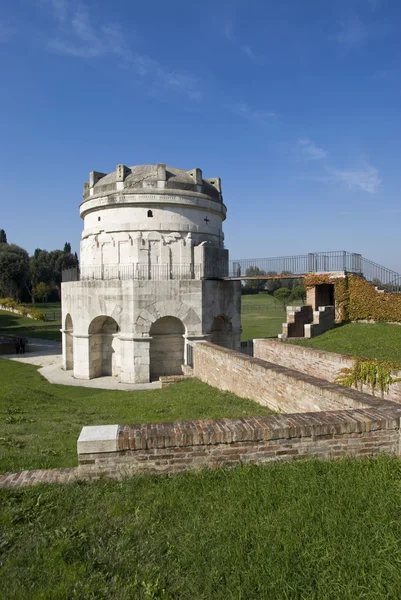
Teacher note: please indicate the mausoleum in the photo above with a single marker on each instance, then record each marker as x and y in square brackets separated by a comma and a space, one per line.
[152, 275]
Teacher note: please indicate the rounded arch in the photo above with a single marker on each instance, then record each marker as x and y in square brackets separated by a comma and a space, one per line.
[69, 342]
[222, 331]
[166, 347]
[103, 351]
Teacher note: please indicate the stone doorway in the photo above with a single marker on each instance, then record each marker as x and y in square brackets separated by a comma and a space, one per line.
[166, 347]
[102, 351]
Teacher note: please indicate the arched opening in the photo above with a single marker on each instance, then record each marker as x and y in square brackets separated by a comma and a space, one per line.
[222, 332]
[102, 347]
[69, 343]
[150, 214]
[166, 347]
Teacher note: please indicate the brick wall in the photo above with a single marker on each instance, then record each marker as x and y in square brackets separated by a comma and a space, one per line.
[318, 363]
[272, 385]
[171, 447]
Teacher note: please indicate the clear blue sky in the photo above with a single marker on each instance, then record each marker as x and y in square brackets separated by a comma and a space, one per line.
[294, 104]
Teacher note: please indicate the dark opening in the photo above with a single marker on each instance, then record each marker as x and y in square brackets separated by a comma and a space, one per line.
[150, 214]
[324, 295]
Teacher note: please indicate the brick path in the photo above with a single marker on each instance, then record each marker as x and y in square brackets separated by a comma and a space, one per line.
[30, 478]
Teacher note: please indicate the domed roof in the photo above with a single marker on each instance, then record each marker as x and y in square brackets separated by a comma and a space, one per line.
[142, 176]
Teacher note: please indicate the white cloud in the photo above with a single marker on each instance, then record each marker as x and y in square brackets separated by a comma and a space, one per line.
[311, 150]
[251, 114]
[79, 36]
[249, 52]
[59, 8]
[366, 178]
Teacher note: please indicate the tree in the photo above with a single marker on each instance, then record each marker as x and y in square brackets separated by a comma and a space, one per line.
[3, 237]
[272, 284]
[282, 295]
[299, 293]
[14, 270]
[255, 284]
[42, 291]
[67, 248]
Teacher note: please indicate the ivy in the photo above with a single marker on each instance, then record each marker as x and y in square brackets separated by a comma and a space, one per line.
[377, 374]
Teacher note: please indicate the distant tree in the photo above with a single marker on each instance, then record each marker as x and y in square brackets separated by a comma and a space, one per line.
[41, 291]
[14, 270]
[298, 293]
[255, 284]
[272, 284]
[67, 248]
[3, 237]
[282, 295]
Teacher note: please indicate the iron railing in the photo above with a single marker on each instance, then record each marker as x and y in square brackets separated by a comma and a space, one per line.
[293, 266]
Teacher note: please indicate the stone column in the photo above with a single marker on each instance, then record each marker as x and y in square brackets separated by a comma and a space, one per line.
[135, 358]
[82, 368]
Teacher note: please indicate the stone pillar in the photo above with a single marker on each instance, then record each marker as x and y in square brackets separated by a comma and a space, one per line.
[311, 297]
[82, 357]
[142, 359]
[127, 373]
[64, 348]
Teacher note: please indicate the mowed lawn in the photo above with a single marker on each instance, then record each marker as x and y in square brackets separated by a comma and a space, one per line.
[262, 316]
[40, 422]
[306, 530]
[13, 324]
[379, 340]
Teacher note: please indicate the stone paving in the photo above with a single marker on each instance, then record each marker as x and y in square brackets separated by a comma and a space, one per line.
[47, 355]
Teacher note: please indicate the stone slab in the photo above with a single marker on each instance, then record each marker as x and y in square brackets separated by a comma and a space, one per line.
[97, 438]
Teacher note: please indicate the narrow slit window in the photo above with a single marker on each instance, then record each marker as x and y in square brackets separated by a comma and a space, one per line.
[150, 214]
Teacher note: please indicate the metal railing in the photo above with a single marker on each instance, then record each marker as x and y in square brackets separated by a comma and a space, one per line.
[293, 266]
[157, 272]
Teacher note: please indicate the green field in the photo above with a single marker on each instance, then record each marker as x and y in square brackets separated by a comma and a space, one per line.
[306, 530]
[40, 422]
[262, 316]
[379, 340]
[13, 324]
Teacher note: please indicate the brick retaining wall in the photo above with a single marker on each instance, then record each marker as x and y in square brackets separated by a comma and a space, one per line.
[171, 447]
[272, 385]
[318, 363]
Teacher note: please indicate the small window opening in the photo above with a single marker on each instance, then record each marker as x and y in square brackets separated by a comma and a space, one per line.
[98, 218]
[150, 214]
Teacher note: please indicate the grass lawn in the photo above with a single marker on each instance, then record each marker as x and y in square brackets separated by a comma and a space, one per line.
[40, 422]
[378, 340]
[13, 324]
[262, 316]
[306, 530]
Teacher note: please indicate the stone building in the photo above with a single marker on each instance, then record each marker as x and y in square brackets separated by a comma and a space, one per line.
[151, 276]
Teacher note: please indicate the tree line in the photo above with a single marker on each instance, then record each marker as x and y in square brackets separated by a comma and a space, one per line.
[37, 277]
[283, 290]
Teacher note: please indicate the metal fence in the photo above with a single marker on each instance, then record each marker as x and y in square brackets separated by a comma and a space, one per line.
[294, 266]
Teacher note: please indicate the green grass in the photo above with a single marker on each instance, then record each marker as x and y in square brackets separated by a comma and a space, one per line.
[308, 531]
[380, 340]
[13, 324]
[262, 316]
[40, 422]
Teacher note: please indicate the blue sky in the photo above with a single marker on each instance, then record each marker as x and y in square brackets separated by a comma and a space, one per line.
[294, 104]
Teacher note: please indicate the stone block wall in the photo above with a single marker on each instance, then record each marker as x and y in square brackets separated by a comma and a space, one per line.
[323, 320]
[278, 387]
[317, 363]
[120, 451]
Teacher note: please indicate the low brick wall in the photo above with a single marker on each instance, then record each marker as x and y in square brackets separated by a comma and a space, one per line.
[120, 451]
[318, 363]
[280, 388]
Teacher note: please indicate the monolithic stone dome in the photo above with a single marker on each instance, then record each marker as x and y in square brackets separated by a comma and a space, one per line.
[143, 177]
